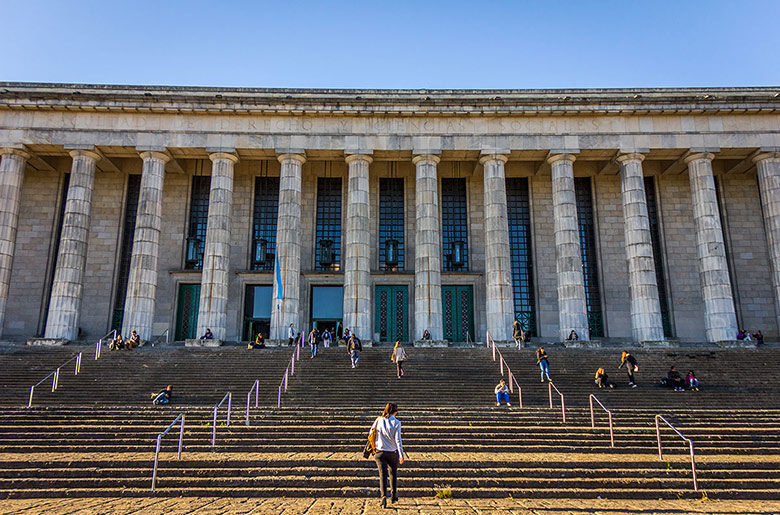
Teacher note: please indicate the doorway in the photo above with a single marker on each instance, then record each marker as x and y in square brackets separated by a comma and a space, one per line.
[458, 313]
[392, 313]
[187, 311]
[257, 311]
[327, 305]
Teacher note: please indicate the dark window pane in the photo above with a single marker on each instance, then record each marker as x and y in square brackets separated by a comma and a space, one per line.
[655, 238]
[454, 223]
[584, 195]
[264, 221]
[258, 304]
[327, 302]
[128, 233]
[199, 215]
[519, 216]
[391, 220]
[328, 222]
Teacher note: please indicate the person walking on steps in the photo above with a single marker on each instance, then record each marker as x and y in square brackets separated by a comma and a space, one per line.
[631, 365]
[353, 348]
[399, 356]
[326, 338]
[517, 334]
[389, 451]
[314, 342]
[502, 393]
[544, 364]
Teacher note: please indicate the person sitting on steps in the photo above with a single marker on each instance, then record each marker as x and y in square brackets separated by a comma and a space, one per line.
[208, 335]
[502, 392]
[117, 343]
[426, 335]
[693, 383]
[259, 342]
[573, 336]
[759, 337]
[602, 379]
[631, 365]
[133, 342]
[163, 396]
[544, 364]
[674, 379]
[399, 356]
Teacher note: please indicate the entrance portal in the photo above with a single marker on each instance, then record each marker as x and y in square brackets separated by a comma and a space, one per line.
[392, 312]
[458, 313]
[187, 311]
[327, 307]
[257, 312]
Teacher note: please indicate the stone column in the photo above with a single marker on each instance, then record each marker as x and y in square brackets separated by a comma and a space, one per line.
[499, 299]
[288, 248]
[572, 307]
[142, 281]
[62, 321]
[646, 322]
[212, 311]
[357, 254]
[720, 320]
[11, 177]
[768, 165]
[427, 250]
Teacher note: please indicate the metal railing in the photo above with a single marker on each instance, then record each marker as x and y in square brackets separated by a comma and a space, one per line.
[99, 343]
[593, 418]
[55, 375]
[512, 379]
[256, 388]
[157, 447]
[290, 370]
[229, 397]
[688, 440]
[165, 334]
[550, 387]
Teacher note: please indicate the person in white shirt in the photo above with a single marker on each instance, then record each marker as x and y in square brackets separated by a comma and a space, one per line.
[290, 335]
[389, 451]
[398, 357]
[502, 392]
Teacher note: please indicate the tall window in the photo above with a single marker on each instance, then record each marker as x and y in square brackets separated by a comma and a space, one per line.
[128, 233]
[328, 243]
[655, 238]
[519, 211]
[391, 224]
[454, 225]
[264, 223]
[199, 216]
[584, 195]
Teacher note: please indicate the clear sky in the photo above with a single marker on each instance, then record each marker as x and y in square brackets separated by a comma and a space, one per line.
[393, 44]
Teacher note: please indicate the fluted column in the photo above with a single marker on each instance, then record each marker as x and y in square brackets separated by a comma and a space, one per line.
[572, 307]
[720, 321]
[11, 177]
[499, 301]
[768, 165]
[288, 248]
[646, 321]
[212, 311]
[67, 289]
[427, 250]
[357, 264]
[142, 281]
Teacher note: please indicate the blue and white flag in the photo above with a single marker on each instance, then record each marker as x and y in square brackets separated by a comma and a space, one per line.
[279, 285]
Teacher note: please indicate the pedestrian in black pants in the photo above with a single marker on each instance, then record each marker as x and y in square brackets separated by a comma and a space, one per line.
[629, 361]
[389, 451]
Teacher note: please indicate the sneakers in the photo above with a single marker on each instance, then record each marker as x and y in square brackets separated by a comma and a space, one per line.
[542, 379]
[383, 502]
[508, 405]
[394, 500]
[498, 404]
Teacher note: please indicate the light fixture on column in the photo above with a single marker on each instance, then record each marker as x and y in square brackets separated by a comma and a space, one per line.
[260, 254]
[326, 253]
[458, 253]
[391, 253]
[193, 252]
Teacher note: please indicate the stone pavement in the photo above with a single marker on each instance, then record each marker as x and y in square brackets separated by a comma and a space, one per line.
[421, 506]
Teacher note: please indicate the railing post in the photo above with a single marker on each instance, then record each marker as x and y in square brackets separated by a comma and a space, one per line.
[257, 392]
[658, 436]
[549, 391]
[285, 381]
[563, 408]
[32, 389]
[248, 396]
[97, 348]
[693, 467]
[292, 366]
[214, 429]
[501, 363]
[611, 435]
[154, 470]
[494, 350]
[54, 380]
[509, 374]
[78, 364]
[298, 351]
[592, 418]
[230, 402]
[279, 397]
[181, 437]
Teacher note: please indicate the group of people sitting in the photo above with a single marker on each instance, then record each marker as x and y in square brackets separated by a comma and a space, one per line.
[675, 380]
[747, 336]
[119, 343]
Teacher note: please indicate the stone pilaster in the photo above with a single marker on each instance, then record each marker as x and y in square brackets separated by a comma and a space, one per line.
[720, 321]
[646, 321]
[357, 253]
[768, 165]
[499, 300]
[62, 321]
[288, 248]
[142, 281]
[212, 311]
[427, 241]
[11, 177]
[572, 307]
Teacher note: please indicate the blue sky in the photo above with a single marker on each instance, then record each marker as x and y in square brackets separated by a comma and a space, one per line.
[394, 44]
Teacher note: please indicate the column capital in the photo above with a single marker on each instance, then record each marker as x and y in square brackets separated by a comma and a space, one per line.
[223, 155]
[493, 157]
[630, 156]
[21, 152]
[766, 155]
[426, 157]
[300, 158]
[561, 157]
[351, 158]
[152, 154]
[82, 152]
[700, 156]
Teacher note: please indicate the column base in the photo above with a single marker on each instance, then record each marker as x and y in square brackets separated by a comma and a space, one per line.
[431, 343]
[659, 344]
[47, 342]
[737, 344]
[582, 344]
[203, 343]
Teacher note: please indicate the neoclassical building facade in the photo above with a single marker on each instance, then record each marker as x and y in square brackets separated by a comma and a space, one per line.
[624, 215]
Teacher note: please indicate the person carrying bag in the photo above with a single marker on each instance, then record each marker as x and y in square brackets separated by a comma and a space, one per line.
[388, 450]
[399, 356]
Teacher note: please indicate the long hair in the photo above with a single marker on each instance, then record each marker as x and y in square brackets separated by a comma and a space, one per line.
[390, 409]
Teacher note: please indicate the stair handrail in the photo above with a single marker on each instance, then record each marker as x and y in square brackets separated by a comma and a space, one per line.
[290, 370]
[256, 388]
[55, 375]
[229, 397]
[592, 398]
[157, 447]
[688, 440]
[512, 378]
[166, 334]
[550, 387]
[99, 343]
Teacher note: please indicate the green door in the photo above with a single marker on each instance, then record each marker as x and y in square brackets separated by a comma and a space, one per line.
[392, 311]
[187, 312]
[458, 313]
